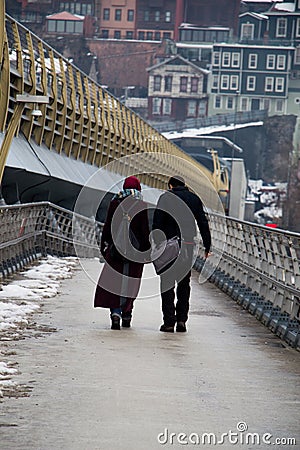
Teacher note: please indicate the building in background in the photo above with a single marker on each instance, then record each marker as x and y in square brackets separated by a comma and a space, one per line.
[248, 78]
[156, 19]
[262, 70]
[33, 13]
[116, 19]
[177, 90]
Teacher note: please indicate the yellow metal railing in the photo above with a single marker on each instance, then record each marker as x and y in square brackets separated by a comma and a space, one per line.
[82, 120]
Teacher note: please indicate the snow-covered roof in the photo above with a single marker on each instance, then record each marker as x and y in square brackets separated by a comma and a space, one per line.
[288, 7]
[196, 132]
[281, 47]
[193, 45]
[255, 15]
[200, 27]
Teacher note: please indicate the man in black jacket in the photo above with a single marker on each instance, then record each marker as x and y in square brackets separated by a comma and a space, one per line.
[175, 215]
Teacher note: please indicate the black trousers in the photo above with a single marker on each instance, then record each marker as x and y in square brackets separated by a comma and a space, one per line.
[177, 311]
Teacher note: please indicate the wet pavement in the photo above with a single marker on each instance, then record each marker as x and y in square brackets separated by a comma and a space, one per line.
[227, 383]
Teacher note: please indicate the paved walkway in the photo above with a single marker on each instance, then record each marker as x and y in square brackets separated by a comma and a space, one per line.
[98, 389]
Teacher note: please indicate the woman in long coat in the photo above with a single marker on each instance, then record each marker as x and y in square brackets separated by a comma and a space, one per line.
[120, 279]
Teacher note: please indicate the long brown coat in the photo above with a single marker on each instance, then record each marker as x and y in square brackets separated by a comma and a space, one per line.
[109, 286]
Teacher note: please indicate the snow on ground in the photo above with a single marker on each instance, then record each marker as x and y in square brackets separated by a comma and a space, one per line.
[20, 298]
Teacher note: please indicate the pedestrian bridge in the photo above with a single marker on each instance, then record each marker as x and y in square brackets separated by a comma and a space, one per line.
[84, 133]
[255, 265]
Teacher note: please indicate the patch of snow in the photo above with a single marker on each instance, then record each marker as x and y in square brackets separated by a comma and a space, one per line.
[20, 298]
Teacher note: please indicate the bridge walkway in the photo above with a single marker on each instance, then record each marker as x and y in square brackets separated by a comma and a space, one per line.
[98, 389]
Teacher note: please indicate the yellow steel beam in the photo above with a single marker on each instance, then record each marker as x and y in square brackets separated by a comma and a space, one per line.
[38, 134]
[8, 136]
[2, 27]
[4, 85]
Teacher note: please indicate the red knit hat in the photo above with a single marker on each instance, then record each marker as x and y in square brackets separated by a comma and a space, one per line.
[132, 183]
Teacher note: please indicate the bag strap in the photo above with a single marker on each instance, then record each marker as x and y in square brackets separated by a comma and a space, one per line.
[126, 213]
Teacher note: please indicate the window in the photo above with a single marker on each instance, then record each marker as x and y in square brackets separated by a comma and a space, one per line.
[269, 84]
[156, 105]
[147, 15]
[229, 102]
[60, 25]
[78, 27]
[157, 16]
[298, 27]
[105, 34]
[225, 82]
[216, 59]
[244, 104]
[117, 34]
[270, 61]
[168, 16]
[183, 84]
[297, 55]
[234, 82]
[106, 14]
[129, 34]
[281, 27]
[51, 25]
[265, 104]
[86, 10]
[118, 14]
[247, 31]
[157, 83]
[192, 108]
[149, 35]
[157, 35]
[130, 15]
[194, 84]
[279, 106]
[167, 106]
[235, 60]
[70, 26]
[202, 108]
[252, 61]
[167, 35]
[141, 35]
[218, 102]
[279, 84]
[281, 62]
[168, 83]
[226, 59]
[215, 82]
[251, 81]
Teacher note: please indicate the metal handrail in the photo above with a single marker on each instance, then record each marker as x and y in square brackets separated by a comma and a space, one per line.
[263, 260]
[31, 230]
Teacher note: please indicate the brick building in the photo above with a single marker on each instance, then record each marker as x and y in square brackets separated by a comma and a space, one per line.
[116, 19]
[156, 19]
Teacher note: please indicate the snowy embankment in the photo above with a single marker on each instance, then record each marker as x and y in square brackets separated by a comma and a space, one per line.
[21, 298]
